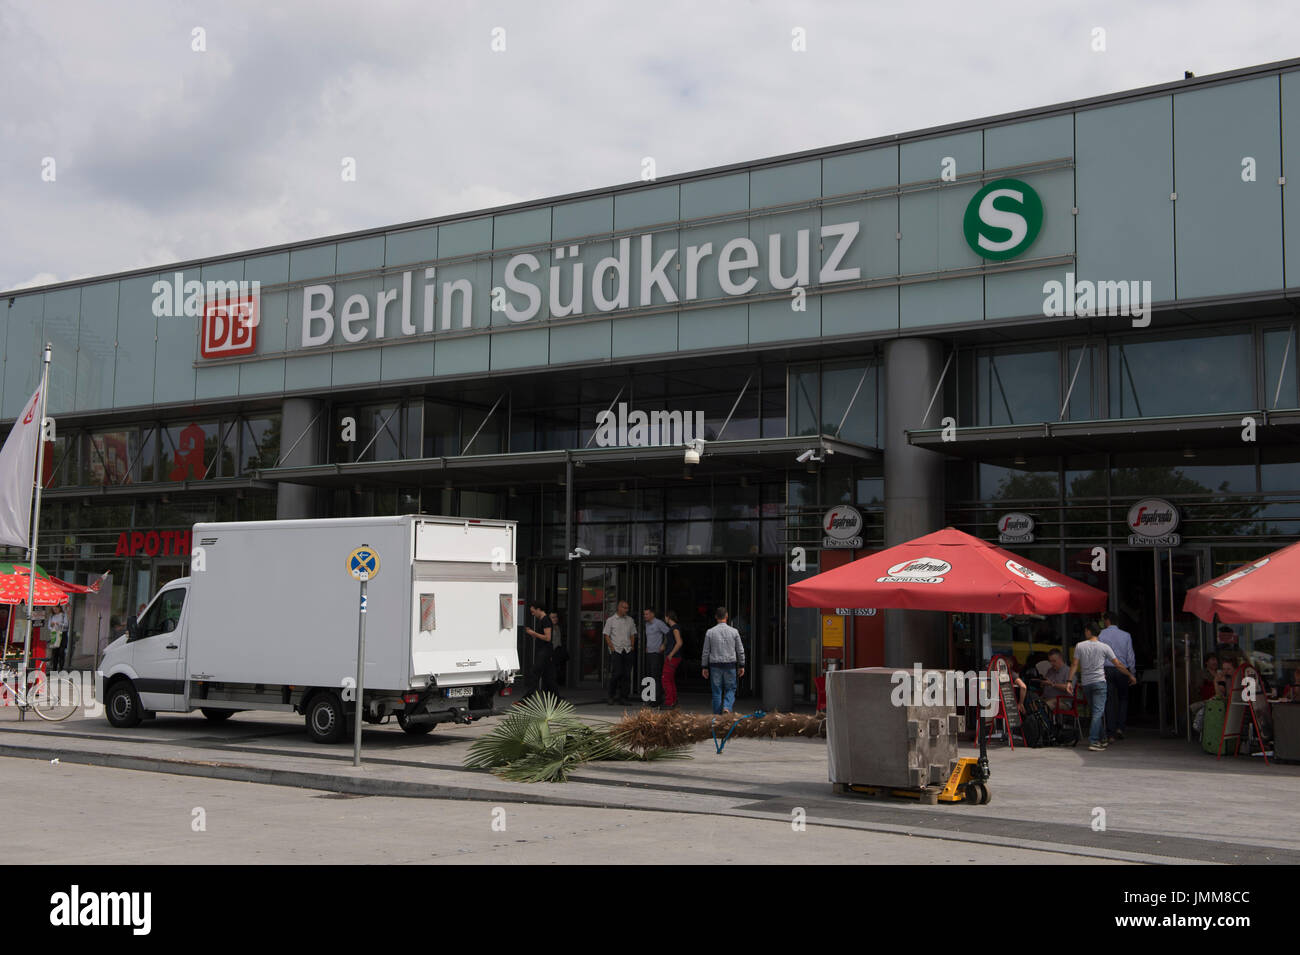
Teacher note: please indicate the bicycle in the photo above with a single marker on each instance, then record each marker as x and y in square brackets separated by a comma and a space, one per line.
[51, 699]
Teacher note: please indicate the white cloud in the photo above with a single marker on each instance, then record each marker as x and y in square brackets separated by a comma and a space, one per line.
[166, 154]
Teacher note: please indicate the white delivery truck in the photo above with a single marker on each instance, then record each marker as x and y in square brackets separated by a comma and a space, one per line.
[267, 620]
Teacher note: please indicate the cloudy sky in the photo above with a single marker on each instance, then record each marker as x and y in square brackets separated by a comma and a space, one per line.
[163, 152]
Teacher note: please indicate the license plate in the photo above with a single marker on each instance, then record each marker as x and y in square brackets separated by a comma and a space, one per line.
[454, 691]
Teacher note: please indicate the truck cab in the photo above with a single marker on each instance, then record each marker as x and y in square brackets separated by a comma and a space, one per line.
[143, 670]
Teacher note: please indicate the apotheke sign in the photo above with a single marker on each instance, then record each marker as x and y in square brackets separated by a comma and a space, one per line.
[1152, 522]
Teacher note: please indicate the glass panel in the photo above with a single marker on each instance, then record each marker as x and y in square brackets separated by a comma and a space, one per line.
[1018, 386]
[148, 459]
[773, 407]
[107, 457]
[188, 450]
[804, 402]
[441, 430]
[1279, 470]
[384, 421]
[261, 444]
[1279, 368]
[1206, 473]
[489, 439]
[1177, 376]
[1085, 399]
[840, 385]
[1035, 480]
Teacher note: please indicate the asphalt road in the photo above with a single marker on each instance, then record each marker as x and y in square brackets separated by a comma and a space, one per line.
[93, 815]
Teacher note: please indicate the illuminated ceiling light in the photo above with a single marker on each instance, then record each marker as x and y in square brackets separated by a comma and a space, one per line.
[1189, 453]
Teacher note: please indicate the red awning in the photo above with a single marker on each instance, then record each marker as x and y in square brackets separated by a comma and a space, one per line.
[69, 588]
[1262, 592]
[948, 570]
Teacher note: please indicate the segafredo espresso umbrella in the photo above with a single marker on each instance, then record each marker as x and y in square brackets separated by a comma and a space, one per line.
[947, 570]
[1265, 591]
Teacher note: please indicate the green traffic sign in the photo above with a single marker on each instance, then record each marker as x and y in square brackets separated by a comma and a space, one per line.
[1003, 219]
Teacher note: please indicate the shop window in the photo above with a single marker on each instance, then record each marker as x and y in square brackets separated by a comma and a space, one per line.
[1206, 374]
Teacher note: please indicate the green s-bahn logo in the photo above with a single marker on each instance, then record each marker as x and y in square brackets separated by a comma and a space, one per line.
[1003, 219]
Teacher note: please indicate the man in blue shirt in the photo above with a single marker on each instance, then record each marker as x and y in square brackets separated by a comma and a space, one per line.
[1121, 643]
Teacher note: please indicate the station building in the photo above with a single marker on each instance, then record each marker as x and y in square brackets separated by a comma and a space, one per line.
[1071, 328]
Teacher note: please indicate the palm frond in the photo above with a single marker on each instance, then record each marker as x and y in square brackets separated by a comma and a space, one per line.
[543, 740]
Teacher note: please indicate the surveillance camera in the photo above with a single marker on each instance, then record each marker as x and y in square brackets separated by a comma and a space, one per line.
[693, 451]
[805, 456]
[581, 552]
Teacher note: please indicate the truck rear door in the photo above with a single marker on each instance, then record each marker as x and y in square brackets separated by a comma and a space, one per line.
[463, 631]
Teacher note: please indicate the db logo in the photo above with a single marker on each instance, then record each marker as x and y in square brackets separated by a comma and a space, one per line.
[229, 327]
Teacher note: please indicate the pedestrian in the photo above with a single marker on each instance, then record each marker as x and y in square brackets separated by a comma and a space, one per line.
[1120, 641]
[620, 639]
[722, 661]
[656, 631]
[559, 652]
[58, 639]
[1090, 656]
[545, 639]
[672, 659]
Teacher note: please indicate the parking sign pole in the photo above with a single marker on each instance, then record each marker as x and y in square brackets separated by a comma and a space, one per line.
[361, 667]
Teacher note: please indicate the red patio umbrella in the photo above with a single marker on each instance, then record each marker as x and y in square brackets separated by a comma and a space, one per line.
[948, 570]
[1263, 592]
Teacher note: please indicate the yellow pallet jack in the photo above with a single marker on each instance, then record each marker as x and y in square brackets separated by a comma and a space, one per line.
[967, 780]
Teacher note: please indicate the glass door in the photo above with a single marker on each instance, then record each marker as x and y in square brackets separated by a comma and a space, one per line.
[602, 587]
[1183, 636]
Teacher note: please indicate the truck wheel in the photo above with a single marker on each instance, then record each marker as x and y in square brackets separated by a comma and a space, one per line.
[122, 705]
[326, 720]
[415, 729]
[216, 716]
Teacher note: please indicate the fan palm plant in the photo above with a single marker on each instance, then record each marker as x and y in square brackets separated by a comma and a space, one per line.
[543, 740]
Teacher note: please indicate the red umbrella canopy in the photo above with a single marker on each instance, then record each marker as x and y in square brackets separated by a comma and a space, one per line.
[948, 570]
[13, 590]
[1262, 592]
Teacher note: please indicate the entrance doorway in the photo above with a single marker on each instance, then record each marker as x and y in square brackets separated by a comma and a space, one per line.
[1150, 586]
[694, 589]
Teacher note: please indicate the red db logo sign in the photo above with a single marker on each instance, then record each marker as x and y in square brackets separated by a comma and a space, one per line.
[229, 327]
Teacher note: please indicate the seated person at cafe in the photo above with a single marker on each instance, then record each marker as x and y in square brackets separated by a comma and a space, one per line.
[1209, 675]
[1054, 679]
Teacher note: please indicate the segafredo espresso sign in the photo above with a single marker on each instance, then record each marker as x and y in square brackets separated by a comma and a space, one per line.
[637, 275]
[1152, 523]
[918, 570]
[842, 527]
[1015, 529]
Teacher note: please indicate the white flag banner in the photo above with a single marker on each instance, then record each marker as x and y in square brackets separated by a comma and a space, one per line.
[18, 476]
